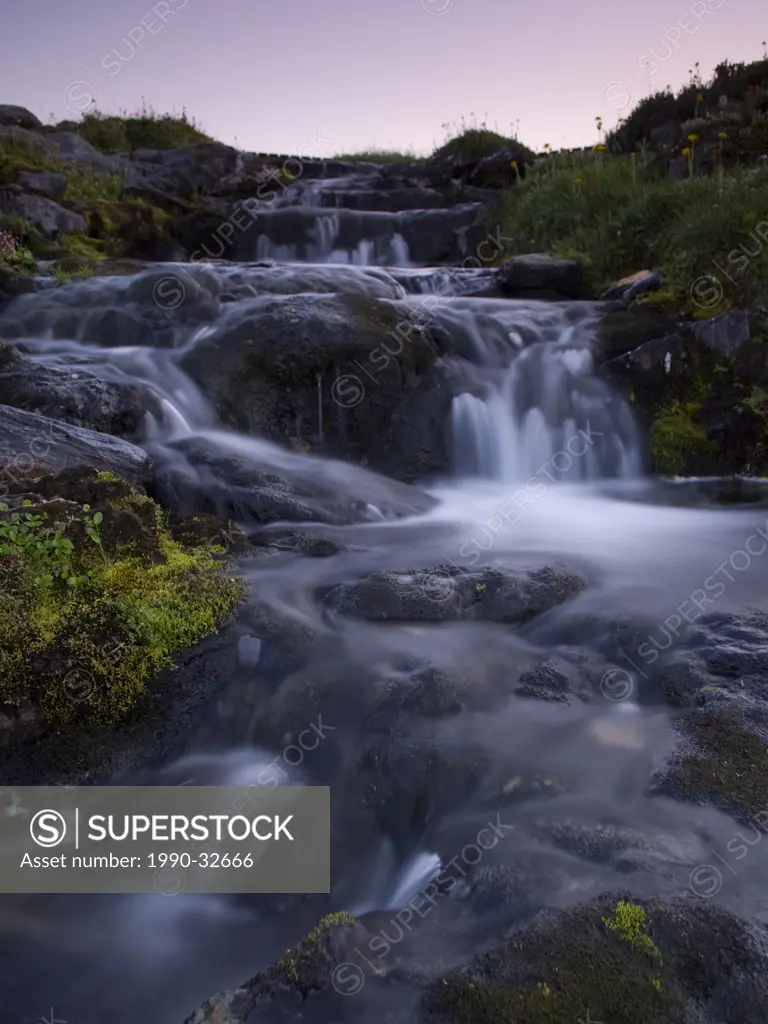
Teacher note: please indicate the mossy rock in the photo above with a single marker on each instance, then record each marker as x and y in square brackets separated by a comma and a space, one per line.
[676, 440]
[97, 597]
[613, 960]
[726, 764]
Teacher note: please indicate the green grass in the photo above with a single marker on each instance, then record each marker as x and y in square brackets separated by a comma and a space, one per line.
[380, 156]
[84, 183]
[144, 129]
[624, 217]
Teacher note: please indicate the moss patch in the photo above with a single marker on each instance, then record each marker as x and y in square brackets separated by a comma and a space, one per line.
[728, 766]
[86, 650]
[675, 437]
[574, 966]
[301, 965]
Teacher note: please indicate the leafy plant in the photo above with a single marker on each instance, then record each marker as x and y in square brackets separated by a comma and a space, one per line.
[43, 545]
[629, 923]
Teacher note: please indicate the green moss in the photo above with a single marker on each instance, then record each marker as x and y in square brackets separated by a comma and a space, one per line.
[629, 923]
[664, 299]
[674, 437]
[82, 247]
[576, 969]
[728, 765]
[304, 964]
[89, 650]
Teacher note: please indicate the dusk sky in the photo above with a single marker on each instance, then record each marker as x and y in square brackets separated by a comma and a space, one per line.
[317, 78]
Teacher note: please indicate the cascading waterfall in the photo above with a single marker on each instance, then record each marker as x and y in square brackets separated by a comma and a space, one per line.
[546, 413]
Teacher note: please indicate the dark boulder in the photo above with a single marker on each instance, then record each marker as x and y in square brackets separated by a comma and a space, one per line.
[44, 183]
[539, 275]
[19, 117]
[75, 396]
[32, 446]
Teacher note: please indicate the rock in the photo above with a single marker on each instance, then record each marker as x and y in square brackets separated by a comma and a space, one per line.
[649, 962]
[725, 334]
[347, 375]
[630, 288]
[32, 446]
[44, 183]
[19, 117]
[72, 146]
[539, 275]
[50, 219]
[450, 593]
[75, 396]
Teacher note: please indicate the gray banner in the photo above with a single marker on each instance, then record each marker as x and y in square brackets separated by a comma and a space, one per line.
[170, 840]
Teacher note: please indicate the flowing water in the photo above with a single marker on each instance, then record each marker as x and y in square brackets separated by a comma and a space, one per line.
[547, 469]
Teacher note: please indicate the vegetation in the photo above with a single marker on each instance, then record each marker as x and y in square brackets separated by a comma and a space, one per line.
[96, 598]
[473, 140]
[144, 129]
[380, 156]
[675, 437]
[629, 924]
[624, 217]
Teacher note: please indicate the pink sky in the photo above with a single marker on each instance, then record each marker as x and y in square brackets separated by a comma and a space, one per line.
[318, 78]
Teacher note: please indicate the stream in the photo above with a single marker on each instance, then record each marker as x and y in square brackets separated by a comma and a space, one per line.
[546, 470]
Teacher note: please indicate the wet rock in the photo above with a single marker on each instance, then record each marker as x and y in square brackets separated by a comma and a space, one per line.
[50, 219]
[629, 963]
[43, 183]
[540, 275]
[434, 595]
[347, 375]
[19, 117]
[720, 674]
[75, 396]
[32, 446]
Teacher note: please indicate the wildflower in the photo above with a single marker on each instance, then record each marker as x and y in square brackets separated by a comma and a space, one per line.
[686, 151]
[577, 181]
[699, 96]
[693, 138]
[600, 149]
[546, 145]
[7, 244]
[722, 135]
[513, 163]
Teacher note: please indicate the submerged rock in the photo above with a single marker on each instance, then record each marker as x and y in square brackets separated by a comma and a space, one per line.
[448, 592]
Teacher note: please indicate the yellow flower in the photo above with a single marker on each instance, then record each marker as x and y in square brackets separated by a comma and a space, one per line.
[722, 135]
[577, 181]
[600, 149]
[693, 138]
[700, 96]
[686, 151]
[513, 163]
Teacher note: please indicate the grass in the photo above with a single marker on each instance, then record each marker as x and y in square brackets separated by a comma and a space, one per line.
[84, 183]
[623, 216]
[144, 129]
[380, 156]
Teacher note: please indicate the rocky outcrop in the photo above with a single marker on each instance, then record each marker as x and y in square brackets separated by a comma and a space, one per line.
[19, 117]
[77, 397]
[34, 445]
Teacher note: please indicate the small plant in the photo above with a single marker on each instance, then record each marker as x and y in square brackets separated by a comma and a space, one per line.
[629, 923]
[13, 254]
[42, 545]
